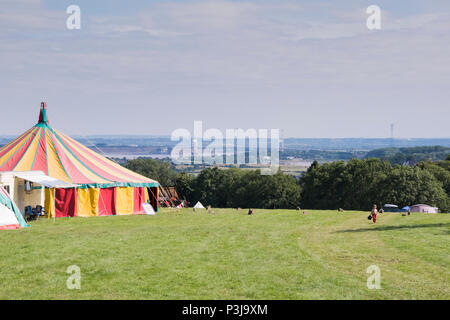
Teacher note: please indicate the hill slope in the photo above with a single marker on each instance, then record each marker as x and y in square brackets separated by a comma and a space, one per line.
[277, 254]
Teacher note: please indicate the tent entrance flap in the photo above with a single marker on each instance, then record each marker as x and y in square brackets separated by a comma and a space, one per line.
[65, 202]
[107, 202]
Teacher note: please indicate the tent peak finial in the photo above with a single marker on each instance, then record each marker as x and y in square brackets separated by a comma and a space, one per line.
[43, 119]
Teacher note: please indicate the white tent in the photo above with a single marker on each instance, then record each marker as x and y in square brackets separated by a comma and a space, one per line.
[10, 215]
[199, 206]
[8, 219]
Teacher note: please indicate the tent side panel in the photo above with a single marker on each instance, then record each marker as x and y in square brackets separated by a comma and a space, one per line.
[124, 200]
[49, 203]
[88, 200]
[107, 202]
[65, 202]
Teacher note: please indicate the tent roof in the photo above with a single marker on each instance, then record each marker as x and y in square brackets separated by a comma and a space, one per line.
[199, 205]
[40, 178]
[45, 149]
[422, 205]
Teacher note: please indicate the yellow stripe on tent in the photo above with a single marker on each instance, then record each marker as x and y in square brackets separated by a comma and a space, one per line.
[124, 200]
[27, 160]
[87, 204]
[49, 204]
[54, 165]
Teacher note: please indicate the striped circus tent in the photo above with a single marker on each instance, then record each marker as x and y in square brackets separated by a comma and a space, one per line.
[103, 187]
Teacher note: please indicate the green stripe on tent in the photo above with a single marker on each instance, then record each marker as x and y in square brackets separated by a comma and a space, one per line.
[118, 184]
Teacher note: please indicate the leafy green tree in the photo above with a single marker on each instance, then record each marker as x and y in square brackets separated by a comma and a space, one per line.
[439, 172]
[410, 185]
[280, 191]
[184, 185]
[355, 184]
[159, 170]
[211, 187]
[323, 186]
[363, 181]
[358, 184]
[246, 189]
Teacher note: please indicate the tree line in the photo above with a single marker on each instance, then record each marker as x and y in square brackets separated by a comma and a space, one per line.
[352, 185]
[357, 184]
[412, 155]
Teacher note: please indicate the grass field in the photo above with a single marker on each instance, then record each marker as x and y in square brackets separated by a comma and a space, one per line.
[275, 254]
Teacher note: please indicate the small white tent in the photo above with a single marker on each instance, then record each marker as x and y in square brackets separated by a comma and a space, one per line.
[10, 215]
[199, 206]
[8, 219]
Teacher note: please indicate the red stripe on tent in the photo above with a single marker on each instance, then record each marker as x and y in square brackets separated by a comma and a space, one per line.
[107, 202]
[12, 162]
[10, 227]
[40, 162]
[139, 199]
[65, 202]
[14, 143]
[74, 174]
[101, 160]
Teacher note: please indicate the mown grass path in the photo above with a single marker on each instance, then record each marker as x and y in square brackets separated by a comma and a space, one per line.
[275, 254]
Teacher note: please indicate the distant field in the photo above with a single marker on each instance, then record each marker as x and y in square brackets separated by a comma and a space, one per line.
[275, 254]
[293, 170]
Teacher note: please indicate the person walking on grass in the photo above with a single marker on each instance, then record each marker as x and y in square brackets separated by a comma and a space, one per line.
[374, 213]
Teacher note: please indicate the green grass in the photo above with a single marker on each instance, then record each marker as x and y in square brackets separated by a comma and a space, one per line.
[275, 254]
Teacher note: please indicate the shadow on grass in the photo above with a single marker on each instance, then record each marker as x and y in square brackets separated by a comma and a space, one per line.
[388, 228]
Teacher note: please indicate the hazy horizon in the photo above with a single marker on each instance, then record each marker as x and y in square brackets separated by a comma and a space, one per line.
[312, 69]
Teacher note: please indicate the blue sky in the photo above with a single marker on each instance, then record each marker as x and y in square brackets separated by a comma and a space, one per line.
[311, 68]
